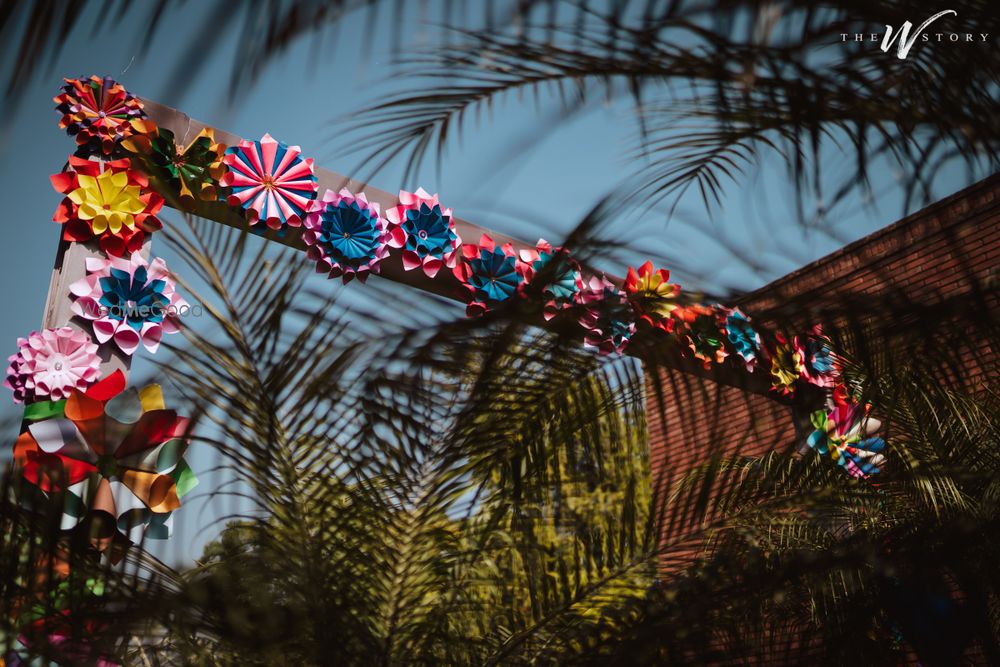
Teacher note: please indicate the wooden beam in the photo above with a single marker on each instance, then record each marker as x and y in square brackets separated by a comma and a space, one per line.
[185, 129]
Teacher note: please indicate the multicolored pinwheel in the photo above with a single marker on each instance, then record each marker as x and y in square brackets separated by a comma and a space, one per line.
[491, 274]
[786, 365]
[270, 181]
[607, 317]
[845, 432]
[193, 172]
[552, 273]
[100, 112]
[118, 457]
[652, 296]
[129, 301]
[424, 231]
[818, 367]
[51, 363]
[743, 338]
[702, 330]
[346, 235]
[112, 202]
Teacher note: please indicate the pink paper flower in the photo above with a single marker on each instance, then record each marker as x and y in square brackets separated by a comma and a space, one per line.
[607, 318]
[50, 364]
[424, 231]
[129, 301]
[346, 235]
[270, 181]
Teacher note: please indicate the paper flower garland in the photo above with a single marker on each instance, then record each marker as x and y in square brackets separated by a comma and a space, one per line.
[99, 111]
[561, 273]
[193, 171]
[112, 203]
[346, 235]
[845, 433]
[115, 453]
[270, 181]
[652, 296]
[424, 231]
[50, 364]
[743, 338]
[786, 365]
[606, 318]
[129, 301]
[702, 331]
[490, 273]
[817, 359]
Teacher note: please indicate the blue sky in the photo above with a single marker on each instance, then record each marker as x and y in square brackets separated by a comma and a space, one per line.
[543, 192]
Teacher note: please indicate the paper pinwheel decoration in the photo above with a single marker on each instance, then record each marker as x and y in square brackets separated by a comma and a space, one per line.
[99, 111]
[118, 456]
[193, 172]
[786, 365]
[270, 181]
[129, 301]
[607, 317]
[51, 363]
[112, 203]
[424, 231]
[845, 433]
[817, 358]
[701, 328]
[490, 273]
[554, 273]
[346, 235]
[742, 337]
[652, 296]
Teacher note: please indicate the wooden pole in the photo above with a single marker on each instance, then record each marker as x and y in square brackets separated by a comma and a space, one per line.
[185, 129]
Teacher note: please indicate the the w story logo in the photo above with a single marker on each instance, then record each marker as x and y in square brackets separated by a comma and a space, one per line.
[904, 41]
[905, 37]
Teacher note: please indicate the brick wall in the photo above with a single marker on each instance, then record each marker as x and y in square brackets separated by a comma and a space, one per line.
[947, 250]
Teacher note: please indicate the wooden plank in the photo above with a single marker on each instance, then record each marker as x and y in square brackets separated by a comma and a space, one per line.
[647, 348]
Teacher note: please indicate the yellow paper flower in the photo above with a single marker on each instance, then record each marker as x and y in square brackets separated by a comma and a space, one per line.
[786, 366]
[108, 201]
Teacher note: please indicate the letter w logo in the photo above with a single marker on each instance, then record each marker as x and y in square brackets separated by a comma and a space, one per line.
[903, 35]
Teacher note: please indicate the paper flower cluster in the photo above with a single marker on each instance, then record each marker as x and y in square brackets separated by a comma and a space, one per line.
[652, 296]
[108, 201]
[116, 454]
[490, 273]
[553, 274]
[346, 235]
[191, 172]
[270, 181]
[424, 231]
[846, 433]
[607, 319]
[50, 364]
[99, 112]
[129, 301]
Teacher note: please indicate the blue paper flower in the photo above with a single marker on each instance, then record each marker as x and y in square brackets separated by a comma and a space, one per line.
[133, 298]
[742, 337]
[490, 273]
[424, 231]
[346, 235]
